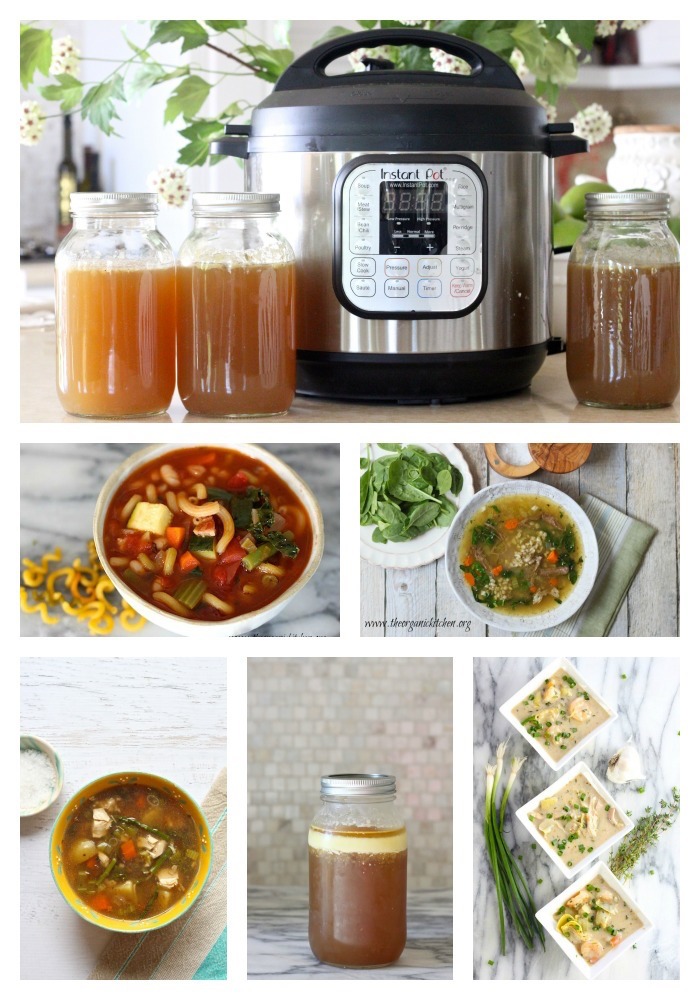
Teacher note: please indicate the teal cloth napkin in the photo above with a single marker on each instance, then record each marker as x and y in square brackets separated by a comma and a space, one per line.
[622, 544]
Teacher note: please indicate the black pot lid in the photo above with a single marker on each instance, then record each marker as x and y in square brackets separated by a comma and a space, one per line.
[399, 111]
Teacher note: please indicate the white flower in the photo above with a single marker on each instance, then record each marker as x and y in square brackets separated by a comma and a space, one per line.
[31, 123]
[411, 24]
[171, 185]
[445, 63]
[549, 108]
[64, 56]
[631, 25]
[517, 61]
[593, 123]
[604, 29]
[356, 57]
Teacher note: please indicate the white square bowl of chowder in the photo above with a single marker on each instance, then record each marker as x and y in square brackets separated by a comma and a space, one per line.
[558, 712]
[594, 921]
[574, 820]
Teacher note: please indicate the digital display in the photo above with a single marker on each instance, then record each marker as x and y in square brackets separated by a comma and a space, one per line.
[421, 199]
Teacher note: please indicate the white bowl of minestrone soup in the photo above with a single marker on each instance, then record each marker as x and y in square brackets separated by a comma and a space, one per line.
[130, 852]
[522, 557]
[205, 539]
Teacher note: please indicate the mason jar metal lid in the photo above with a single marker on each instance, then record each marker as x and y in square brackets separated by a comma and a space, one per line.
[106, 203]
[235, 203]
[348, 785]
[632, 203]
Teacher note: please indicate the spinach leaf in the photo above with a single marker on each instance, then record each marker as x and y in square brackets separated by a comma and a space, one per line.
[484, 534]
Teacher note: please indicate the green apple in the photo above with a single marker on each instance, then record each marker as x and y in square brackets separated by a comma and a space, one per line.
[566, 232]
[574, 201]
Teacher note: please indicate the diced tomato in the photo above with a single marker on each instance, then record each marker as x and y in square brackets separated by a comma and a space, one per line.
[132, 544]
[238, 481]
[207, 459]
[234, 553]
[166, 582]
[223, 576]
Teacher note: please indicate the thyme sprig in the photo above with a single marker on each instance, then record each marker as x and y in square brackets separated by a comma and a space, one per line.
[645, 834]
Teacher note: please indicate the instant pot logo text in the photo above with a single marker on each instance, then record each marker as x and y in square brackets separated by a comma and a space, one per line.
[423, 174]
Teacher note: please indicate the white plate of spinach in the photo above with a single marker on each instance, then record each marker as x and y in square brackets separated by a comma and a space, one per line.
[409, 495]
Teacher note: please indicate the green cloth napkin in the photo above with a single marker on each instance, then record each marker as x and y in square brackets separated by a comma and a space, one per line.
[193, 947]
[622, 544]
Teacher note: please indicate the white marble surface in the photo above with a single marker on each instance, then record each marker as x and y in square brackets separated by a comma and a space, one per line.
[278, 944]
[648, 703]
[102, 715]
[59, 487]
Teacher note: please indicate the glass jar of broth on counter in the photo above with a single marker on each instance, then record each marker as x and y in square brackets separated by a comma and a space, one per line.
[357, 873]
[623, 304]
[235, 294]
[115, 309]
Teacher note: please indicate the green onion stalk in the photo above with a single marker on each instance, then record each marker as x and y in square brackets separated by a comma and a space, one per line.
[512, 890]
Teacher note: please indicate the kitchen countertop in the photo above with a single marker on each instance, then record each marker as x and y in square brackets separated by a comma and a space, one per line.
[59, 487]
[648, 703]
[278, 946]
[102, 715]
[549, 400]
[638, 479]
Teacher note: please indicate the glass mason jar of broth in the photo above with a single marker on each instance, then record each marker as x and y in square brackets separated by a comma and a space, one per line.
[235, 325]
[357, 872]
[115, 309]
[623, 304]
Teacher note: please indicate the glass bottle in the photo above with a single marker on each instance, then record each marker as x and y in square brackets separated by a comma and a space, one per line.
[235, 279]
[357, 872]
[115, 309]
[67, 179]
[623, 304]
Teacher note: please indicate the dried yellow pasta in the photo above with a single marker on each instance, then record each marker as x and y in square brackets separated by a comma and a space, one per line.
[79, 590]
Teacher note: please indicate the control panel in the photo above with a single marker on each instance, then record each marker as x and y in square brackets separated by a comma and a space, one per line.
[410, 236]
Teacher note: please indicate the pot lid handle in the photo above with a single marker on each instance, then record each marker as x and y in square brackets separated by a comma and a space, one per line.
[308, 71]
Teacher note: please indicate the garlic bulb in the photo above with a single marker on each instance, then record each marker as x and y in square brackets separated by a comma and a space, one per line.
[625, 765]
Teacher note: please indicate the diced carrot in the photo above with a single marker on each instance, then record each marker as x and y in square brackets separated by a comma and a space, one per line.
[101, 902]
[511, 524]
[497, 570]
[552, 557]
[533, 589]
[93, 864]
[552, 582]
[128, 850]
[207, 459]
[175, 536]
[470, 579]
[469, 560]
[187, 562]
[141, 800]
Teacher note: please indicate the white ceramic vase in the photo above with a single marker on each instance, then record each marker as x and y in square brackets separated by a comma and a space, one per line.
[647, 156]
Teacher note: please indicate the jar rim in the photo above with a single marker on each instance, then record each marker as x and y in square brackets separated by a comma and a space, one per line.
[628, 204]
[234, 204]
[113, 203]
[357, 784]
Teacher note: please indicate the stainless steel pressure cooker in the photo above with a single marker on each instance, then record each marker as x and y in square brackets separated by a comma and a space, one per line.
[419, 208]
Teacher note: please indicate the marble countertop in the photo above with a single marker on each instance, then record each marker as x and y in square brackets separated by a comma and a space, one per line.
[158, 714]
[648, 703]
[278, 946]
[59, 487]
[548, 400]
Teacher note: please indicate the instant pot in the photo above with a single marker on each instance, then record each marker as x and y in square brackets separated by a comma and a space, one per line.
[419, 208]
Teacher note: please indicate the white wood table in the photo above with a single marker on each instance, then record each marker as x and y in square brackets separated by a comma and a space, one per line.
[639, 479]
[101, 715]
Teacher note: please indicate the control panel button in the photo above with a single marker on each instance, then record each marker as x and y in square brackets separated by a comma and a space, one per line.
[362, 227]
[363, 287]
[395, 288]
[461, 288]
[396, 268]
[430, 267]
[464, 207]
[362, 186]
[362, 247]
[362, 206]
[363, 267]
[463, 246]
[462, 267]
[429, 288]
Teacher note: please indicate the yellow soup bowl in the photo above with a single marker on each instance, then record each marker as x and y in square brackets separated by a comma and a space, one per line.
[107, 783]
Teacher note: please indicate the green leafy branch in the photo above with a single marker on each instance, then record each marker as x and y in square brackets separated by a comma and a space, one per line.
[551, 50]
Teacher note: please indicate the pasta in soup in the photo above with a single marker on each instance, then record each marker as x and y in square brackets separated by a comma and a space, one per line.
[521, 555]
[131, 851]
[207, 534]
